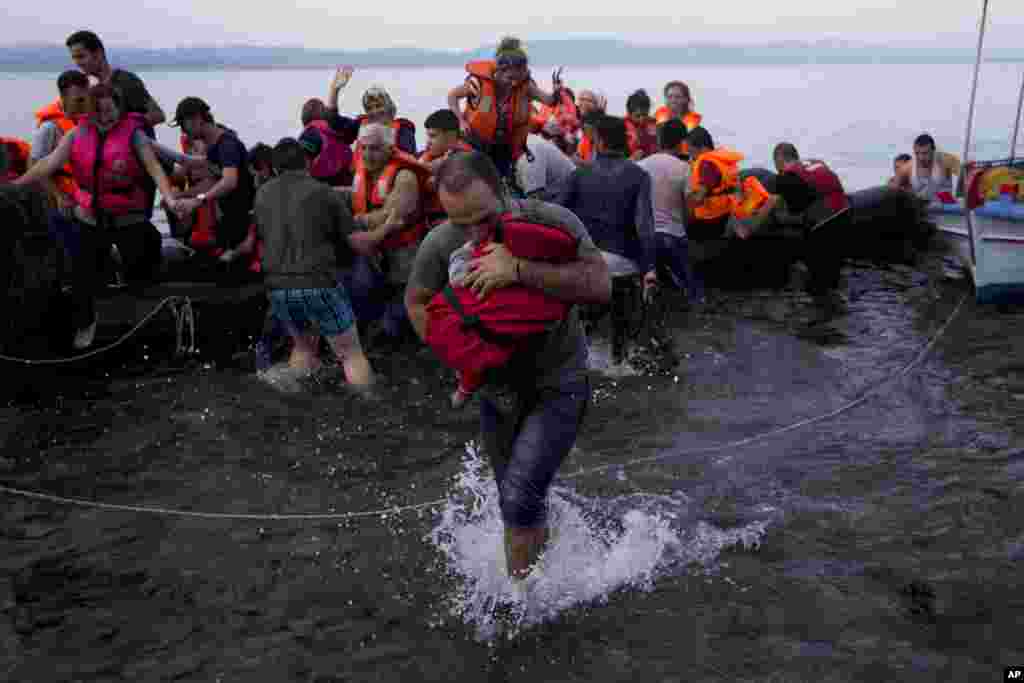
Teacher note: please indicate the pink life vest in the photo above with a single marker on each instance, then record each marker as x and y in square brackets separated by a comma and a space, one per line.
[108, 165]
[335, 156]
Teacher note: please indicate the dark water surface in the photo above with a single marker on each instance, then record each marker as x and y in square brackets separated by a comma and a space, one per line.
[882, 544]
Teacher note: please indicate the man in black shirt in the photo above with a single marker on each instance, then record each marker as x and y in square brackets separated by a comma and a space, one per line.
[235, 190]
[89, 55]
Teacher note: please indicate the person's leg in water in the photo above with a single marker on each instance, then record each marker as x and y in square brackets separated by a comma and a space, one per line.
[673, 259]
[349, 352]
[526, 450]
[625, 297]
[273, 330]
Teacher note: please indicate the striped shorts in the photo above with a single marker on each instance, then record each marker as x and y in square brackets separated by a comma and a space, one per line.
[322, 311]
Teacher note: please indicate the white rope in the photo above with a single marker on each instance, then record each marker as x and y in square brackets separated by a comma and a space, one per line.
[400, 509]
[170, 302]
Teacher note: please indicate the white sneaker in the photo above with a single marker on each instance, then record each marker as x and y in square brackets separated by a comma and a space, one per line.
[85, 336]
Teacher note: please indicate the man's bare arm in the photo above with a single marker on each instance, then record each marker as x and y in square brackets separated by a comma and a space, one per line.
[403, 202]
[154, 114]
[586, 281]
[416, 300]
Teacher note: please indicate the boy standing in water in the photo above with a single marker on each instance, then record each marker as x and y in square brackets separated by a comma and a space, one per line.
[547, 387]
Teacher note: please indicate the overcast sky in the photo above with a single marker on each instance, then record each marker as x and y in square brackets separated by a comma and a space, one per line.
[461, 24]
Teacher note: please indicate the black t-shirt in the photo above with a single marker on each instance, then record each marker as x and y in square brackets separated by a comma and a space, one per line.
[134, 96]
[795, 191]
[230, 152]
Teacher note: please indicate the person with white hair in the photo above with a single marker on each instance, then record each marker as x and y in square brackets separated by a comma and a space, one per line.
[379, 107]
[591, 104]
[388, 182]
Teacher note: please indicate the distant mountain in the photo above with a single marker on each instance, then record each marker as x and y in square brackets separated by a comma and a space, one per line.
[574, 52]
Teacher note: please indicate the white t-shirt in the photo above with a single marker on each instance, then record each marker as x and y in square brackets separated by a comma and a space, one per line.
[669, 178]
[548, 170]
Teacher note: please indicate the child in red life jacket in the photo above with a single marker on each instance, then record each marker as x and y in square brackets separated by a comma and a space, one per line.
[474, 336]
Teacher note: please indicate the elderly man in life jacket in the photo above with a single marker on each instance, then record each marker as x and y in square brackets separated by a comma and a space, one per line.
[929, 175]
[590, 104]
[811, 194]
[388, 182]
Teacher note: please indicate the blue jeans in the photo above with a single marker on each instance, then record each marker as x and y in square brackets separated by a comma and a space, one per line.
[374, 297]
[527, 445]
[673, 259]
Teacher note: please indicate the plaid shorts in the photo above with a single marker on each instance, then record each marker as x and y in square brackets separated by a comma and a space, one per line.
[322, 311]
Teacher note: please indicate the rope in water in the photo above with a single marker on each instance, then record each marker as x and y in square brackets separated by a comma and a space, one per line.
[400, 509]
[183, 317]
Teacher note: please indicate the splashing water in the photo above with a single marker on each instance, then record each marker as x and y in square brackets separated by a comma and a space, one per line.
[599, 358]
[597, 547]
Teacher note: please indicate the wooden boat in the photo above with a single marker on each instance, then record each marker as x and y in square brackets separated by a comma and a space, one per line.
[987, 239]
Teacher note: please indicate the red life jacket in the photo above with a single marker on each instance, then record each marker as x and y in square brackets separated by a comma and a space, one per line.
[565, 113]
[474, 336]
[818, 175]
[108, 166]
[18, 154]
[204, 237]
[643, 138]
[366, 198]
[335, 156]
[432, 209]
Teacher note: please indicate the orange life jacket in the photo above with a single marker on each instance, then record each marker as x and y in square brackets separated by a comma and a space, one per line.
[18, 154]
[366, 198]
[432, 209]
[564, 112]
[54, 112]
[691, 120]
[482, 111]
[720, 200]
[585, 150]
[753, 197]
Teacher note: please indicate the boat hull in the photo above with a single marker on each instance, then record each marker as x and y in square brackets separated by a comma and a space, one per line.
[998, 272]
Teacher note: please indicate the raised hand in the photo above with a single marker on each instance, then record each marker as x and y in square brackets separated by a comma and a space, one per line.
[342, 76]
[556, 79]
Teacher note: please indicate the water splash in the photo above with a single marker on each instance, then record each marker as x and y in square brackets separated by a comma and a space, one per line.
[599, 354]
[598, 547]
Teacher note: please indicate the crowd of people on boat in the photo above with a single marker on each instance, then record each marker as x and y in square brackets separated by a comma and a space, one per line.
[527, 207]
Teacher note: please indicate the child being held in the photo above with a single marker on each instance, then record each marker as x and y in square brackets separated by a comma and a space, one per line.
[473, 335]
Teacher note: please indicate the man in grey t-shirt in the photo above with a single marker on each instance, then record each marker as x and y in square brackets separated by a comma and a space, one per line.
[542, 175]
[527, 438]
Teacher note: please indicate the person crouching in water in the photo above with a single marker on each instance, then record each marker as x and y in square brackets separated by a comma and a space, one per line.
[112, 161]
[302, 222]
[498, 93]
[528, 436]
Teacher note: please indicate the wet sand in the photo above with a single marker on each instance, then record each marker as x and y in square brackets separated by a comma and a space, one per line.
[892, 533]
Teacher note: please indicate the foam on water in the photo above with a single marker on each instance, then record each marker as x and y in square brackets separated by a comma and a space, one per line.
[598, 547]
[599, 358]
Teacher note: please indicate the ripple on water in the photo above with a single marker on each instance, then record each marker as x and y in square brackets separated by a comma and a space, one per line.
[598, 547]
